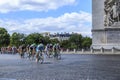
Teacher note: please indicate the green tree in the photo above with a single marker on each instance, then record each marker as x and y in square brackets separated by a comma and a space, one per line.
[54, 41]
[17, 39]
[73, 46]
[46, 40]
[65, 44]
[76, 41]
[4, 37]
[87, 41]
[34, 38]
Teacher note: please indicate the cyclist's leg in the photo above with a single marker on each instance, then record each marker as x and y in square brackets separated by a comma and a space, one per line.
[41, 58]
[37, 56]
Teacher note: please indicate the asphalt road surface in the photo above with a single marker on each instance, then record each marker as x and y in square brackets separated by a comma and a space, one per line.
[70, 67]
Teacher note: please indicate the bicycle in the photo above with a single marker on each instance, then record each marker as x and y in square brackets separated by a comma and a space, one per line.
[39, 57]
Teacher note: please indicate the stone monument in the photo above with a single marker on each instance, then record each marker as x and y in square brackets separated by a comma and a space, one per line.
[106, 24]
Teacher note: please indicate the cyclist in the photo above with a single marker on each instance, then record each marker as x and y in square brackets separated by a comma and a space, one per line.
[56, 49]
[39, 51]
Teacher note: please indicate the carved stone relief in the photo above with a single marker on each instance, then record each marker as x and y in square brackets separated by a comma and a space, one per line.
[112, 12]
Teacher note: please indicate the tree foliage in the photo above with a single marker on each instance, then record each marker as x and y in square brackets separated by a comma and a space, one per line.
[46, 40]
[76, 41]
[4, 37]
[87, 41]
[17, 39]
[53, 41]
[34, 38]
[65, 44]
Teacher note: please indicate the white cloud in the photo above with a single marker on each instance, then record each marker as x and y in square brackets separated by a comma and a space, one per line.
[69, 22]
[33, 5]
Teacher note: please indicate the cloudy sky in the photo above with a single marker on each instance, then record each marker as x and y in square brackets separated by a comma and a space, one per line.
[28, 16]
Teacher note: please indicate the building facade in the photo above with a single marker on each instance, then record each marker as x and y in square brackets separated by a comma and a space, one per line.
[60, 36]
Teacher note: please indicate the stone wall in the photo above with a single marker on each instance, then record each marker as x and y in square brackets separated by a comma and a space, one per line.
[98, 14]
[103, 36]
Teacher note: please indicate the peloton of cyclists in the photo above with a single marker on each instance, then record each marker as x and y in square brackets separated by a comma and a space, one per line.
[38, 51]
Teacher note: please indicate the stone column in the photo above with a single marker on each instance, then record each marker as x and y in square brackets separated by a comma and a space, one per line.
[92, 50]
[102, 50]
[74, 50]
[82, 50]
[67, 50]
[113, 50]
[61, 51]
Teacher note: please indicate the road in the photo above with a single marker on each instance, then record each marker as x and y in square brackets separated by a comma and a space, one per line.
[70, 67]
